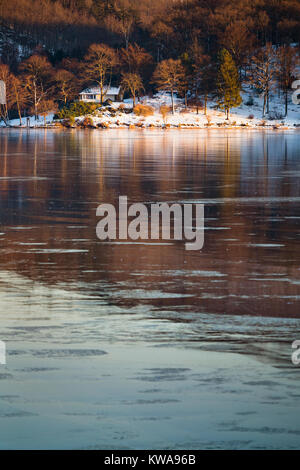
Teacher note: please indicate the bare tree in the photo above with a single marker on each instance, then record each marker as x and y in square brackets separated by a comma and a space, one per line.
[20, 96]
[132, 82]
[287, 62]
[66, 84]
[71, 65]
[239, 41]
[135, 58]
[122, 19]
[262, 74]
[162, 34]
[203, 75]
[99, 63]
[45, 107]
[168, 76]
[38, 73]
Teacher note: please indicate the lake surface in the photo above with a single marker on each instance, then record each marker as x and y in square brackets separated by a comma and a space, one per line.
[132, 346]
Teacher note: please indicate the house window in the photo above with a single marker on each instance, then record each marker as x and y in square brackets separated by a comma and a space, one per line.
[89, 96]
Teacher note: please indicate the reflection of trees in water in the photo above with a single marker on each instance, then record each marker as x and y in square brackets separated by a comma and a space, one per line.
[53, 181]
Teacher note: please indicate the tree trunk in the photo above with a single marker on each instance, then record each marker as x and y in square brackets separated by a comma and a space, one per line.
[286, 103]
[101, 93]
[35, 101]
[3, 114]
[205, 104]
[172, 98]
[20, 115]
[264, 105]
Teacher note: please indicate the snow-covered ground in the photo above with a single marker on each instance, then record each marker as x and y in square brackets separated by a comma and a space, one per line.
[245, 115]
[39, 122]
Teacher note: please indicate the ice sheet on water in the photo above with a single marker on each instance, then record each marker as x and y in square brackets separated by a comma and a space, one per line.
[68, 353]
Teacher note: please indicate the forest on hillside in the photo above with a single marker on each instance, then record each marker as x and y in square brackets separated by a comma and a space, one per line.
[49, 49]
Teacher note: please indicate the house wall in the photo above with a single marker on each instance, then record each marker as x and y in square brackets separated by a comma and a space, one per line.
[110, 97]
[98, 98]
[91, 100]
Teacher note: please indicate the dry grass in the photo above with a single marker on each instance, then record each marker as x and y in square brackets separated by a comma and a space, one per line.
[143, 110]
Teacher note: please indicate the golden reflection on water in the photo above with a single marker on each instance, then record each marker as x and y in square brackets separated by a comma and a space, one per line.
[51, 183]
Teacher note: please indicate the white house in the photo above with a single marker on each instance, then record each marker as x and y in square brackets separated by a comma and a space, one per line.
[93, 94]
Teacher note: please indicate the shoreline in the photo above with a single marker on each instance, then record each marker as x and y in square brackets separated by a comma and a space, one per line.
[132, 127]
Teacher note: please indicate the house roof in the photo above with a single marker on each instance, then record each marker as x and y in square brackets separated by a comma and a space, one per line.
[96, 91]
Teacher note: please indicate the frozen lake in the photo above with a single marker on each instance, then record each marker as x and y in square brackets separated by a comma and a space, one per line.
[144, 346]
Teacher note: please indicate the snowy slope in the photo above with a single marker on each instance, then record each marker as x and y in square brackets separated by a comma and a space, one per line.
[245, 115]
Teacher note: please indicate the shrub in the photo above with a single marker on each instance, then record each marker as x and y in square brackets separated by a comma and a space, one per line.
[275, 115]
[87, 122]
[143, 110]
[67, 123]
[251, 116]
[250, 101]
[208, 118]
[107, 102]
[164, 111]
[77, 108]
[122, 108]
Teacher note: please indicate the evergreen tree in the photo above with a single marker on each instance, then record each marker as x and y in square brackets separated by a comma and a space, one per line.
[228, 84]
